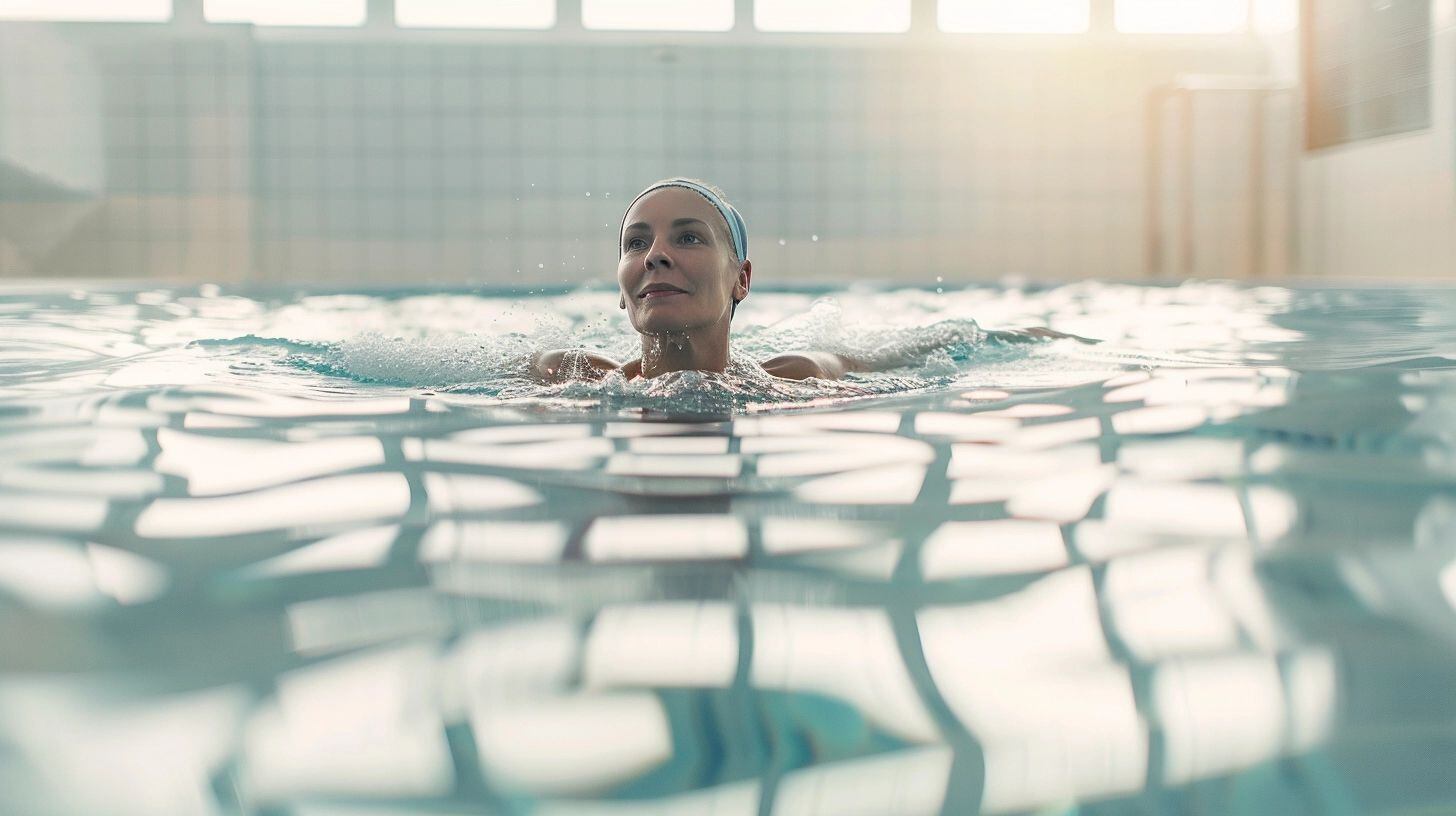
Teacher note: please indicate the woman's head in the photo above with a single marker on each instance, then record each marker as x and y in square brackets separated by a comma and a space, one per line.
[683, 263]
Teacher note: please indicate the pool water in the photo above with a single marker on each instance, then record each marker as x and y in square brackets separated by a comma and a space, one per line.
[312, 552]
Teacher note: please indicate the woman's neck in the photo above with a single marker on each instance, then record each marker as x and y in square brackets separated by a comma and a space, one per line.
[686, 351]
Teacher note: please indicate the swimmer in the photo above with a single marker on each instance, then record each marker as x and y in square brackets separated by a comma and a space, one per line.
[683, 268]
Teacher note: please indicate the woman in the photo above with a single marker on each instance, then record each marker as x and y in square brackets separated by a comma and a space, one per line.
[683, 270]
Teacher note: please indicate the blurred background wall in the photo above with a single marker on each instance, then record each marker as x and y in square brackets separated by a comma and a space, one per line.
[187, 148]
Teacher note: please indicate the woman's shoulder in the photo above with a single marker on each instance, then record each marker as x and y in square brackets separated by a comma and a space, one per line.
[801, 365]
[557, 365]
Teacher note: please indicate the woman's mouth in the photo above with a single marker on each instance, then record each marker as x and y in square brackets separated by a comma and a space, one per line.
[660, 293]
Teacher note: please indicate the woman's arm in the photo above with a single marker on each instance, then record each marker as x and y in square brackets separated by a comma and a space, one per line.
[827, 365]
[801, 365]
[560, 365]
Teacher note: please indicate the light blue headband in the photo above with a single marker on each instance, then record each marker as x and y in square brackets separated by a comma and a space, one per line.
[736, 230]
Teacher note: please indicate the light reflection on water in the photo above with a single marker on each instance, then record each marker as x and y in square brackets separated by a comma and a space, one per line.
[263, 553]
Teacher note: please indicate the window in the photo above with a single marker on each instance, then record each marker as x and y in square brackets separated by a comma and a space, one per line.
[475, 13]
[139, 11]
[286, 12]
[833, 16]
[658, 15]
[1276, 16]
[1181, 16]
[1018, 17]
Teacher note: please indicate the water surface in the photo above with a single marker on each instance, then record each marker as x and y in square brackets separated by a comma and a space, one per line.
[288, 552]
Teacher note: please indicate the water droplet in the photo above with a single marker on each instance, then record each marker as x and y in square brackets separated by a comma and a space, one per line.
[813, 237]
[939, 291]
[588, 195]
[608, 195]
[540, 266]
[782, 242]
[939, 279]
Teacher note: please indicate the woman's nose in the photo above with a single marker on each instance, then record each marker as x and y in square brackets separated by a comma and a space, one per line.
[658, 258]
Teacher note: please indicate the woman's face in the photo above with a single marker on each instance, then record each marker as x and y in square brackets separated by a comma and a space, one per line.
[677, 271]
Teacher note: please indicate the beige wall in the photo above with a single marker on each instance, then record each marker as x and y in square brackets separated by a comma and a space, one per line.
[1386, 208]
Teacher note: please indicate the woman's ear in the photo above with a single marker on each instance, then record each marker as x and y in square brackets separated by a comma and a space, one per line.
[745, 279]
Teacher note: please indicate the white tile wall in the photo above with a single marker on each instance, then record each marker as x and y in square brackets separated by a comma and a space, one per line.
[378, 161]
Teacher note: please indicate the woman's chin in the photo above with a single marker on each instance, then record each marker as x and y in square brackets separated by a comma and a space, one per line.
[662, 323]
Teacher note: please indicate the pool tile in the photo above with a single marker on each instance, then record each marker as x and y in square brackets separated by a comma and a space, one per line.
[525, 542]
[1186, 509]
[354, 550]
[960, 549]
[1029, 410]
[217, 465]
[357, 725]
[678, 445]
[666, 538]
[465, 493]
[968, 461]
[673, 645]
[732, 799]
[1218, 714]
[332, 500]
[898, 484]
[564, 454]
[1162, 419]
[1183, 458]
[116, 484]
[1062, 497]
[966, 427]
[717, 466]
[1055, 434]
[47, 573]
[786, 536]
[849, 653]
[52, 512]
[511, 434]
[884, 422]
[852, 454]
[906, 782]
[578, 744]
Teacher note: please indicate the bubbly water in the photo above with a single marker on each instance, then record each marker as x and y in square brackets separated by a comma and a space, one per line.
[284, 552]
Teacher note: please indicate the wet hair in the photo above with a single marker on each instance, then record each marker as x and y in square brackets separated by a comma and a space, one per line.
[730, 214]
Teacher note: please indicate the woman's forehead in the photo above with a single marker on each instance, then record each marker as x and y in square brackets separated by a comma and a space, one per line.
[667, 204]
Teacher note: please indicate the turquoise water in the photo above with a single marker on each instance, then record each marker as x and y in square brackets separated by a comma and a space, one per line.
[285, 552]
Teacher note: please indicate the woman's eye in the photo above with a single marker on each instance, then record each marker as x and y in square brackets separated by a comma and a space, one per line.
[688, 235]
[633, 242]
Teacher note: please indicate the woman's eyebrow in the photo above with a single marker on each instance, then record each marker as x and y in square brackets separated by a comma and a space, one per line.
[677, 223]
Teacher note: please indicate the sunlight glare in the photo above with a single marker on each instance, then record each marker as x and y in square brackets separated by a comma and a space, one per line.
[833, 16]
[149, 11]
[657, 15]
[1181, 16]
[1024, 17]
[534, 14]
[286, 12]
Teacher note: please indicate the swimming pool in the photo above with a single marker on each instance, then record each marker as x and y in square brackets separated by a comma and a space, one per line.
[311, 552]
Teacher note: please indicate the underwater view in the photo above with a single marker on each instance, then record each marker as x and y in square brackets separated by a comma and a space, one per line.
[311, 552]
